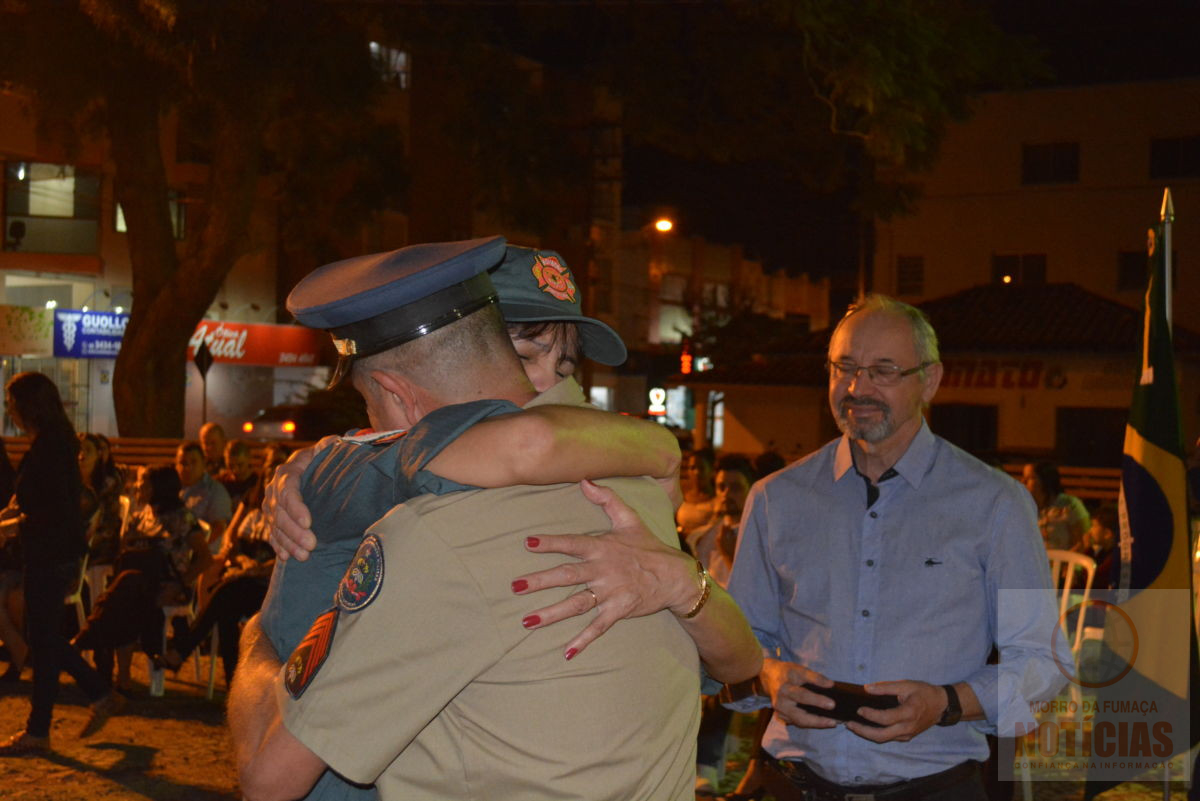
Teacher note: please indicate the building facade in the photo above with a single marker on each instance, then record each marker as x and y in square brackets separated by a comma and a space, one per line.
[1055, 185]
[66, 283]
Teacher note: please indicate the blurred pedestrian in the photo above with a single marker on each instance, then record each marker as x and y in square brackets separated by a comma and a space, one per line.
[46, 514]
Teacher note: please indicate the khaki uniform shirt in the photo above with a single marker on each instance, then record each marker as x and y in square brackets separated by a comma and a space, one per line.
[434, 690]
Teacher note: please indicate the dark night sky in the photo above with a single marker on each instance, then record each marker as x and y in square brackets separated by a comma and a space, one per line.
[1083, 41]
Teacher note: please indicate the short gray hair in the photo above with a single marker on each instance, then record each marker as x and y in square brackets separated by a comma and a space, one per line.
[924, 337]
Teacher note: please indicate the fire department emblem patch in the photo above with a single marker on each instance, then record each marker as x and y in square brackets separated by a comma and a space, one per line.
[306, 660]
[553, 277]
[363, 578]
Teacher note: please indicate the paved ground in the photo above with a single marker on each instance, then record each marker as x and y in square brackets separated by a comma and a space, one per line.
[173, 748]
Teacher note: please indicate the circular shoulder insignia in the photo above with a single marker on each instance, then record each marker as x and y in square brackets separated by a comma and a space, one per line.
[364, 577]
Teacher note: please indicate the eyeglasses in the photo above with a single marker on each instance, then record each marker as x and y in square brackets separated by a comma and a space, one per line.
[881, 375]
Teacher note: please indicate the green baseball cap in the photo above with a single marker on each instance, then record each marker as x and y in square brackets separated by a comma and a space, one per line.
[537, 286]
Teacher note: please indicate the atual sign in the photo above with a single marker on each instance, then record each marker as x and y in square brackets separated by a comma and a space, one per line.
[97, 335]
[258, 343]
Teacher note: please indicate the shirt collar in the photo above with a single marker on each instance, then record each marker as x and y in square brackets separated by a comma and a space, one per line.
[565, 393]
[912, 466]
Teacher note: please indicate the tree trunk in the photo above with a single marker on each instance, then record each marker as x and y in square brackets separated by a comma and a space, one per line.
[171, 293]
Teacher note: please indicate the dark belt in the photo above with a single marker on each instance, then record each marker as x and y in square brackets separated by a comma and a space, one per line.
[817, 788]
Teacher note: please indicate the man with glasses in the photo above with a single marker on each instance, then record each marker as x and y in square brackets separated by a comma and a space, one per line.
[879, 561]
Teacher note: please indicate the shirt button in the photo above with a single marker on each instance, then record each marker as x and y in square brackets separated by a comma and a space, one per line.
[862, 667]
[870, 563]
[874, 514]
[866, 613]
[858, 779]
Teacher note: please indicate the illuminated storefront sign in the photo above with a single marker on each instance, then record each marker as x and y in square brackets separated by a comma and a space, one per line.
[88, 334]
[97, 335]
[258, 344]
[658, 401]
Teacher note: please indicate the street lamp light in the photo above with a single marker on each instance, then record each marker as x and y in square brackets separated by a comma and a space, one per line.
[663, 225]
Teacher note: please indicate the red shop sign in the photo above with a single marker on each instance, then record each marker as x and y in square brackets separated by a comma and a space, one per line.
[258, 344]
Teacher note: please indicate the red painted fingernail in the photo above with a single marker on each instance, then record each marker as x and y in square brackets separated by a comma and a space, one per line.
[520, 585]
[532, 542]
[570, 654]
[530, 621]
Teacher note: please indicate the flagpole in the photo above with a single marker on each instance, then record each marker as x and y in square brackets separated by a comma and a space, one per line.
[1167, 215]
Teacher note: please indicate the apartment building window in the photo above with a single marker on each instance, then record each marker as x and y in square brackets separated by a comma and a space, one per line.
[716, 296]
[50, 208]
[178, 216]
[1026, 268]
[1175, 157]
[1053, 163]
[910, 275]
[391, 64]
[673, 288]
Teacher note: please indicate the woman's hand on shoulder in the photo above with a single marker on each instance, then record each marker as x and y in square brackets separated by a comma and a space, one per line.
[628, 572]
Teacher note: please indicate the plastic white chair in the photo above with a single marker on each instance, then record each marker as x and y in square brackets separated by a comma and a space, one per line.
[75, 596]
[1064, 566]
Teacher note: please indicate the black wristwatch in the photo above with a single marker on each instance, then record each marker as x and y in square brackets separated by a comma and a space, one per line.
[953, 713]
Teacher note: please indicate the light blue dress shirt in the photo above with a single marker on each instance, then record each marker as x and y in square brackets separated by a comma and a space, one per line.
[909, 588]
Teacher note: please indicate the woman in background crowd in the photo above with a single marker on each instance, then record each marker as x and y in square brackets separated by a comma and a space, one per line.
[162, 553]
[696, 478]
[46, 514]
[101, 510]
[1062, 518]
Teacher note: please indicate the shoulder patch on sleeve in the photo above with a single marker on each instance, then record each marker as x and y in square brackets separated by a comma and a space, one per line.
[306, 660]
[363, 578]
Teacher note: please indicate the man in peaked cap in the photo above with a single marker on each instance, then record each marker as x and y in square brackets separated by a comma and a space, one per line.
[449, 695]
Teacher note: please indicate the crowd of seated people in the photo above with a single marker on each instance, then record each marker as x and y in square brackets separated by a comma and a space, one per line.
[244, 567]
[148, 550]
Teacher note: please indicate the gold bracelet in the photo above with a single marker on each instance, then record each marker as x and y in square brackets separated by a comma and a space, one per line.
[705, 590]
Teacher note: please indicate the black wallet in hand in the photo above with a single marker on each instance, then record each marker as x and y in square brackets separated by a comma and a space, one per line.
[847, 699]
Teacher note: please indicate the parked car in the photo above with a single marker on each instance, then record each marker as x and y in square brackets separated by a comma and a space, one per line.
[326, 412]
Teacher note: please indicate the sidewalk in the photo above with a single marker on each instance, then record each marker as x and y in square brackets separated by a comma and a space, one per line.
[172, 748]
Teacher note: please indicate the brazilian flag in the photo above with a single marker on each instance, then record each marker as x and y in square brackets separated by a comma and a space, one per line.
[1154, 544]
